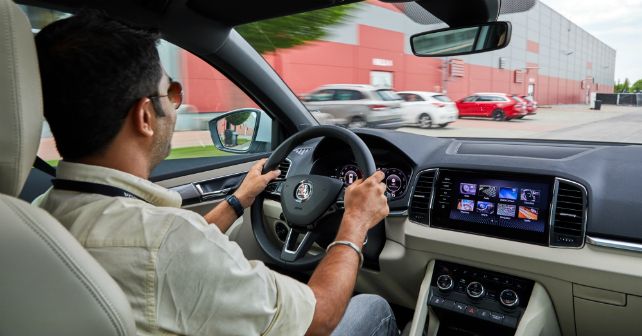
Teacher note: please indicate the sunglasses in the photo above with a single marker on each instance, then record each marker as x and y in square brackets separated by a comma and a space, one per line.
[174, 94]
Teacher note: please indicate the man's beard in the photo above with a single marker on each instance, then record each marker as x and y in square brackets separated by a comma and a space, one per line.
[162, 144]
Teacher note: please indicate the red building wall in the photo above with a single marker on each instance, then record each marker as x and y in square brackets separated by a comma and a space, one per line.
[306, 67]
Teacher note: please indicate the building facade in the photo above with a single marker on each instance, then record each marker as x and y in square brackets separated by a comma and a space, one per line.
[549, 57]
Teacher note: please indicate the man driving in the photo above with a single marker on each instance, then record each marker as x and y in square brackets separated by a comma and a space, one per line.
[112, 110]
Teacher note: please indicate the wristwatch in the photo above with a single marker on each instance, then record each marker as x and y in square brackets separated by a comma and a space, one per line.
[235, 204]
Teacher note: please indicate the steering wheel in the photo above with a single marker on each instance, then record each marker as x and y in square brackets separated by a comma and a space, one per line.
[306, 200]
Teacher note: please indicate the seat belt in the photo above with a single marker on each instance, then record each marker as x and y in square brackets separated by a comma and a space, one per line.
[44, 167]
[93, 188]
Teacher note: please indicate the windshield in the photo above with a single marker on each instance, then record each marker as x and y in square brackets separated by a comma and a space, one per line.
[388, 95]
[575, 59]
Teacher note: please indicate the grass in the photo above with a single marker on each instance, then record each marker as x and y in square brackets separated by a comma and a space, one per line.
[184, 153]
[195, 152]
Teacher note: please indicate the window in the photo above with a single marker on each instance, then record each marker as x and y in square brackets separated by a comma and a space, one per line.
[388, 95]
[322, 95]
[348, 95]
[206, 94]
[470, 99]
[491, 98]
[442, 98]
[383, 79]
[411, 97]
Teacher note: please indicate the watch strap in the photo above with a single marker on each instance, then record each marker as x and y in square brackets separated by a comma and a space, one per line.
[234, 202]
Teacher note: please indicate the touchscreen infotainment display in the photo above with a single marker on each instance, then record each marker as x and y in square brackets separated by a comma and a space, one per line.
[511, 206]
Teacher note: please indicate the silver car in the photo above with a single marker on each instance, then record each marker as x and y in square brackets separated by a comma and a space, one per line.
[357, 105]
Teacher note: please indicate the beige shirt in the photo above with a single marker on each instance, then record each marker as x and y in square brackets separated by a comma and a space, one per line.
[181, 274]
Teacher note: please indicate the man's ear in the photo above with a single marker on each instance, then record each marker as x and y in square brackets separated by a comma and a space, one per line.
[143, 118]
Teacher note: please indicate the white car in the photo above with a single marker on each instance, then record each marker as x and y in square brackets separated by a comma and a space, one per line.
[428, 108]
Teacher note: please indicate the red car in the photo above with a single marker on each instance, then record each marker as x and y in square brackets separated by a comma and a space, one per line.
[531, 104]
[499, 106]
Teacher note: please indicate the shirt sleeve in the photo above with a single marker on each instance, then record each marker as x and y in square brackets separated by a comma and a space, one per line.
[206, 286]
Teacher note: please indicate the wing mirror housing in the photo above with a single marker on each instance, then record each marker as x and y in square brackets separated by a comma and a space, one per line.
[462, 40]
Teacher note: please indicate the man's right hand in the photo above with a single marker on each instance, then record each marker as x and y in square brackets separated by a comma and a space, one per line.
[365, 203]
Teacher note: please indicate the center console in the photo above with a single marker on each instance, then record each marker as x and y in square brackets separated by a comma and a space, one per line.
[461, 300]
[472, 301]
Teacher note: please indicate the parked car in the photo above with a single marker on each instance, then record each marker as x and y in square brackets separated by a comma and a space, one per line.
[357, 105]
[531, 104]
[499, 106]
[428, 108]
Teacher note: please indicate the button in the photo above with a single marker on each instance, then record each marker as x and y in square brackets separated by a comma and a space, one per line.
[497, 317]
[437, 301]
[510, 321]
[483, 314]
[460, 307]
[470, 310]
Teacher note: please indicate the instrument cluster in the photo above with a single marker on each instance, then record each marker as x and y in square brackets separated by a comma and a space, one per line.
[396, 180]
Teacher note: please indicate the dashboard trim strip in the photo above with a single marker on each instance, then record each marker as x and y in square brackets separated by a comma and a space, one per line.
[616, 244]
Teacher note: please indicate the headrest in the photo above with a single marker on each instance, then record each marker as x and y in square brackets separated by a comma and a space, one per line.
[20, 99]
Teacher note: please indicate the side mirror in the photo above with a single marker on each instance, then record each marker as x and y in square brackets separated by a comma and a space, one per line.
[462, 40]
[246, 130]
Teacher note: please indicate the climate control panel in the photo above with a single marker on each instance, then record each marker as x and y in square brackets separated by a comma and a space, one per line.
[470, 292]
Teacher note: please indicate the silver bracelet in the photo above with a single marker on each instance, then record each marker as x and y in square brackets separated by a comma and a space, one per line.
[350, 244]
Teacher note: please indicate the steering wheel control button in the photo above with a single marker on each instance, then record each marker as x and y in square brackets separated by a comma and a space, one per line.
[475, 290]
[509, 298]
[445, 282]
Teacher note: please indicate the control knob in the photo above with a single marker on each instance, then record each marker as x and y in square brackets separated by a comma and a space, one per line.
[475, 290]
[508, 298]
[445, 282]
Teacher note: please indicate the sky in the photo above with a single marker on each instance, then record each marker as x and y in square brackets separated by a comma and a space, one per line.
[618, 23]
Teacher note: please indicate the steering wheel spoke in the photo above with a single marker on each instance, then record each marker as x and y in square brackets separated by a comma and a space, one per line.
[293, 249]
[341, 199]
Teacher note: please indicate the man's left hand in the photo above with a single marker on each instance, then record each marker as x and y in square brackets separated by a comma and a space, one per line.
[254, 183]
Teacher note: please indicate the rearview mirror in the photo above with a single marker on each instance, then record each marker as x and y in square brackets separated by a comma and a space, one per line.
[246, 130]
[462, 40]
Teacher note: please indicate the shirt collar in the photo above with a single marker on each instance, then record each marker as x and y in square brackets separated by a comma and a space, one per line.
[150, 192]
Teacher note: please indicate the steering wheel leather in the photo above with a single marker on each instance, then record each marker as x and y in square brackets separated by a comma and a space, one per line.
[306, 199]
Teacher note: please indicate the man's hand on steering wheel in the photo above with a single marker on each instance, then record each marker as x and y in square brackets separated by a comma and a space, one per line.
[254, 183]
[365, 206]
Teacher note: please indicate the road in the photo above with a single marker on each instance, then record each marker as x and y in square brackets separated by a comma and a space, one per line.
[565, 122]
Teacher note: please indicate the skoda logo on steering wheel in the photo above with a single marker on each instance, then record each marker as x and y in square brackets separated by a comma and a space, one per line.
[303, 191]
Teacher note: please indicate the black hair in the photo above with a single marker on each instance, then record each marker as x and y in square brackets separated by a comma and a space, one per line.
[93, 70]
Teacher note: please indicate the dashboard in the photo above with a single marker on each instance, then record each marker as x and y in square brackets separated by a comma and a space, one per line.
[562, 215]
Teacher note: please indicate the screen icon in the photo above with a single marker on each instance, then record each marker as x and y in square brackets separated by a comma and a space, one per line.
[529, 195]
[485, 207]
[508, 193]
[466, 205]
[467, 188]
[507, 210]
[528, 213]
[488, 191]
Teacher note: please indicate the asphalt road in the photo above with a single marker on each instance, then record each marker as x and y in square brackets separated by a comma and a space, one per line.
[565, 122]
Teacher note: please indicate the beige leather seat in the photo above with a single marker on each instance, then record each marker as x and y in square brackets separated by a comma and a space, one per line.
[49, 285]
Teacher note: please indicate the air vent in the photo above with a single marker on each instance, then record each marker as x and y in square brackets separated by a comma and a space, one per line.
[421, 196]
[568, 224]
[284, 167]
